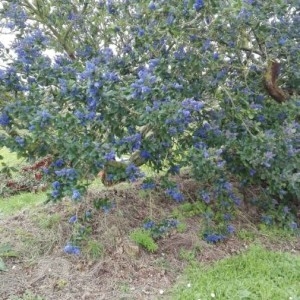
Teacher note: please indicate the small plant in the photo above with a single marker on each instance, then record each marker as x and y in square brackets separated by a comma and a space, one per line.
[160, 229]
[28, 295]
[143, 238]
[104, 203]
[246, 235]
[187, 255]
[94, 249]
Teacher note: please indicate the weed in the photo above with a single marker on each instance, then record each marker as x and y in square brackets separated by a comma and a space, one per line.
[143, 238]
[246, 235]
[94, 249]
[187, 255]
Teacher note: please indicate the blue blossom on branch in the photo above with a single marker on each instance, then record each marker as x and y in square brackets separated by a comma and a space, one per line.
[56, 185]
[20, 141]
[152, 6]
[4, 120]
[67, 173]
[133, 172]
[110, 156]
[198, 5]
[192, 104]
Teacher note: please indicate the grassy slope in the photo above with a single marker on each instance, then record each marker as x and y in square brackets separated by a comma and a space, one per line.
[255, 274]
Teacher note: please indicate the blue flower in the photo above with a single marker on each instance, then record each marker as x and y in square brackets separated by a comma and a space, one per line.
[172, 223]
[73, 219]
[58, 163]
[205, 197]
[133, 172]
[145, 154]
[88, 214]
[293, 225]
[216, 56]
[148, 186]
[227, 217]
[45, 116]
[56, 185]
[68, 173]
[76, 195]
[268, 220]
[286, 209]
[175, 194]
[20, 141]
[213, 238]
[55, 193]
[192, 104]
[149, 224]
[111, 76]
[4, 119]
[230, 229]
[198, 5]
[71, 249]
[110, 156]
[151, 6]
[282, 41]
[174, 170]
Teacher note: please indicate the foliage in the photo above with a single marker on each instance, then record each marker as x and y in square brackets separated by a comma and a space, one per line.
[158, 230]
[170, 83]
[143, 238]
[256, 274]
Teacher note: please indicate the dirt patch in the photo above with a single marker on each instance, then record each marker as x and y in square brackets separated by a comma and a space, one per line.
[122, 270]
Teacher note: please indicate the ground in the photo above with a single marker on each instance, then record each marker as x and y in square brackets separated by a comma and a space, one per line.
[111, 265]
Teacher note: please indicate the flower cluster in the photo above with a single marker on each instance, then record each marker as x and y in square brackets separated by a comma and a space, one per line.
[133, 172]
[175, 194]
[67, 173]
[4, 120]
[72, 249]
[146, 79]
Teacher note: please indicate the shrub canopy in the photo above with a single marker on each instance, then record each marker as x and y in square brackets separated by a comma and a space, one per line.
[212, 85]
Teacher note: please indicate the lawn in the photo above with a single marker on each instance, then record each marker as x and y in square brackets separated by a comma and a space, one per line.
[255, 274]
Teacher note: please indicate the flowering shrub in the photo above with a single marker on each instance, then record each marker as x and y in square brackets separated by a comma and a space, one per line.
[203, 84]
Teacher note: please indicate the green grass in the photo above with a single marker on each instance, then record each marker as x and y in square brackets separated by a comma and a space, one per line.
[16, 203]
[10, 158]
[255, 274]
[13, 204]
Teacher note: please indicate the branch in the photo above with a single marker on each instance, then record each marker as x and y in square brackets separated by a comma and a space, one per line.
[270, 82]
